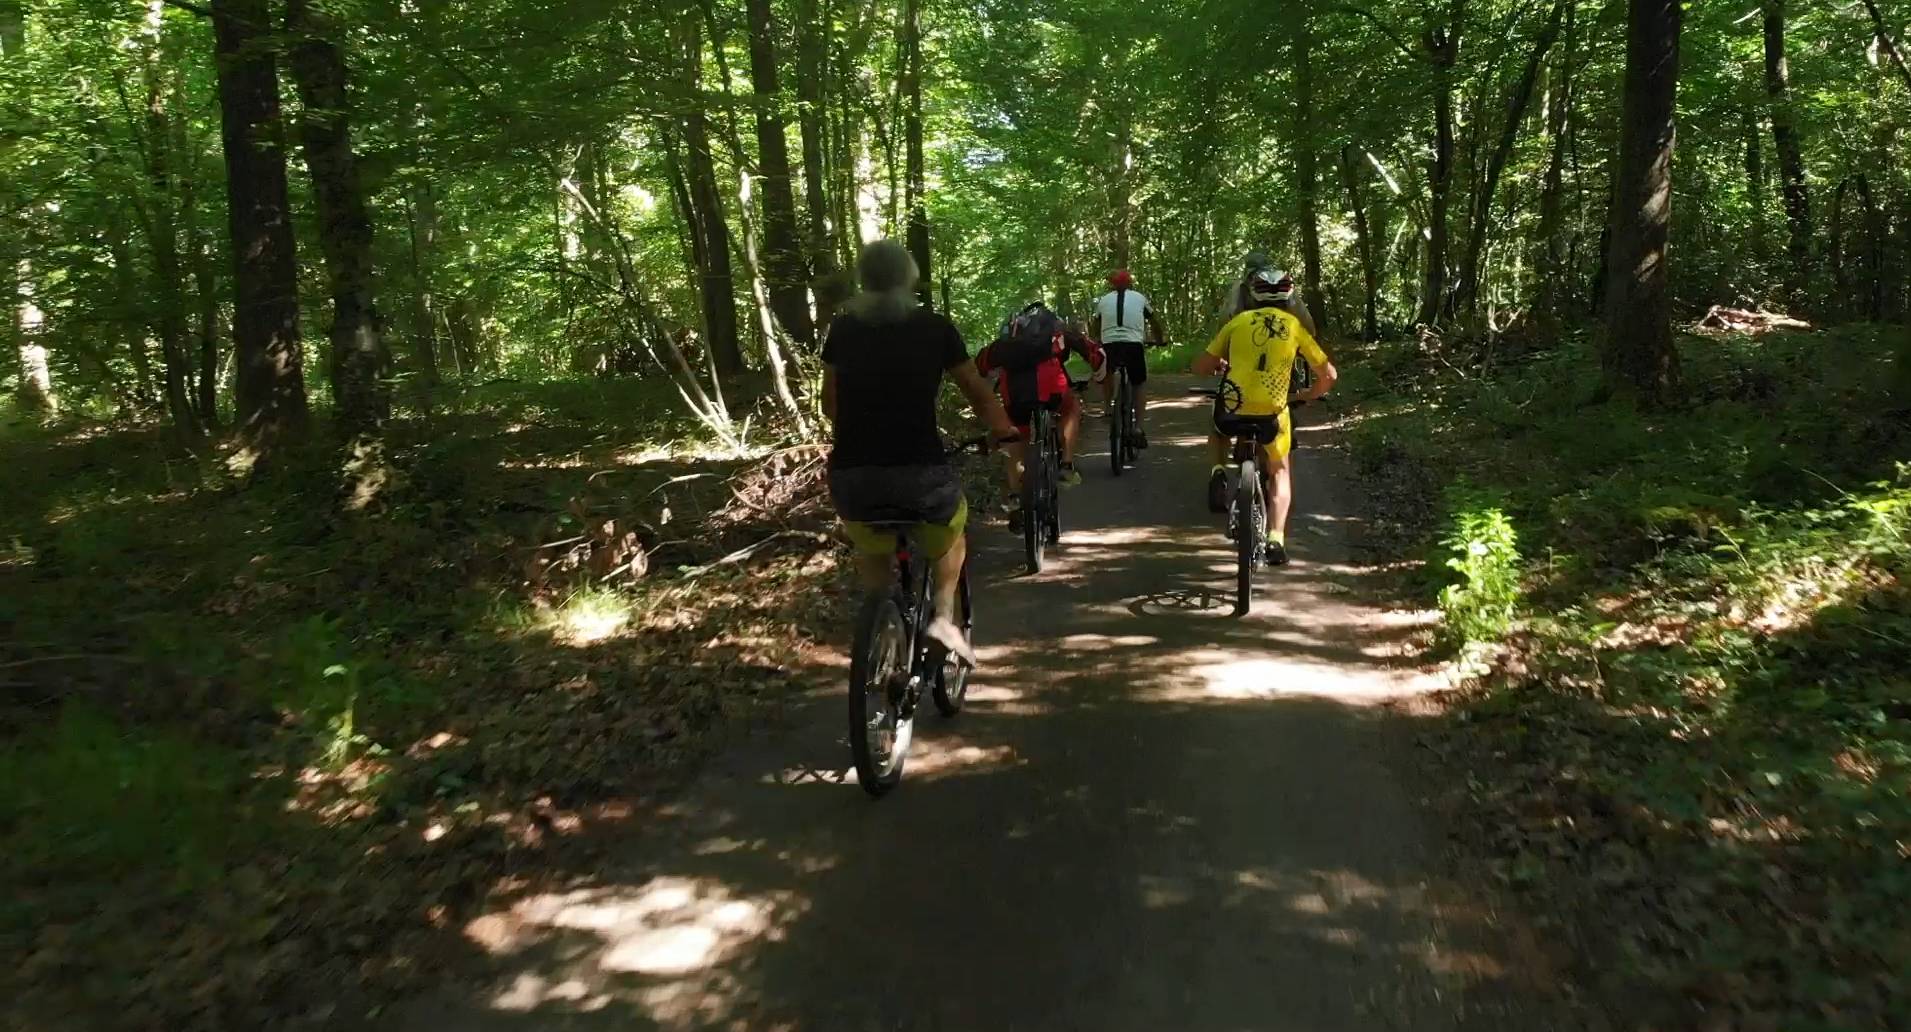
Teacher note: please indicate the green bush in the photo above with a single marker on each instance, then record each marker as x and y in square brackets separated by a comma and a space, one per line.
[1483, 550]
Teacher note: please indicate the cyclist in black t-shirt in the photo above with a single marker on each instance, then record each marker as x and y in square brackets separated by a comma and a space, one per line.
[883, 367]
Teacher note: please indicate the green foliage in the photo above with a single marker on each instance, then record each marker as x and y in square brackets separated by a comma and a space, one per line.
[1705, 671]
[1483, 551]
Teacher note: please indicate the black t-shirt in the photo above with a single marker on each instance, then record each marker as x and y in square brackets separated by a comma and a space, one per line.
[888, 377]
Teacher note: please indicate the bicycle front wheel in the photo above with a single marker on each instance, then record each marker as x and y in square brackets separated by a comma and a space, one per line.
[879, 731]
[952, 681]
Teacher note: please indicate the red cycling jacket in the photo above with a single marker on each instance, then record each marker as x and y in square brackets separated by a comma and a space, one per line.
[1050, 377]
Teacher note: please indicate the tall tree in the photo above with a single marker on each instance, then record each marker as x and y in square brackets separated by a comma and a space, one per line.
[1472, 268]
[1555, 273]
[1793, 187]
[1307, 169]
[783, 262]
[269, 387]
[345, 225]
[717, 287]
[916, 175]
[1363, 245]
[812, 98]
[1441, 42]
[1638, 351]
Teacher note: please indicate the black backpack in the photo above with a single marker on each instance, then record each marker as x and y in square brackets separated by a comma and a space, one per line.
[1033, 337]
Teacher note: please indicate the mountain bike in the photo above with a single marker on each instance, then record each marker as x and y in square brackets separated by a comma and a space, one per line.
[1124, 423]
[1042, 484]
[893, 659]
[1247, 488]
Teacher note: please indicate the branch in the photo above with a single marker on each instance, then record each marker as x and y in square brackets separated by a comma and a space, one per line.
[184, 6]
[1884, 37]
[1386, 30]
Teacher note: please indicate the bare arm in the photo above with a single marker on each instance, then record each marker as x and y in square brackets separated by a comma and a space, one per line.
[983, 400]
[1206, 364]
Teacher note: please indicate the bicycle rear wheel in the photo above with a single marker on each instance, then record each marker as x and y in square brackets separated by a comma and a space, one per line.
[1248, 534]
[1053, 463]
[879, 732]
[1034, 507]
[1118, 429]
[952, 681]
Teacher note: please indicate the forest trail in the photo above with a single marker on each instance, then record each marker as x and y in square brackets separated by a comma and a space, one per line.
[1152, 816]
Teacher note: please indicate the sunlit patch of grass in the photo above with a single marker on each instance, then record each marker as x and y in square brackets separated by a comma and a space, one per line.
[590, 616]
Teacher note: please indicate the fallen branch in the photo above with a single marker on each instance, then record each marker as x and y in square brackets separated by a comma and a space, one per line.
[743, 554]
[1719, 317]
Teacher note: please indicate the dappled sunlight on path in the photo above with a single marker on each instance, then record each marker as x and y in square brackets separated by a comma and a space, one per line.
[1152, 815]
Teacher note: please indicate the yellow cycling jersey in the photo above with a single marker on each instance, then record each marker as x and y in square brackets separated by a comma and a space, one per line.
[1260, 345]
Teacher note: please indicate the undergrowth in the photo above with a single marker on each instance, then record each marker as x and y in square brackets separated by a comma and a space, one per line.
[1691, 738]
[261, 756]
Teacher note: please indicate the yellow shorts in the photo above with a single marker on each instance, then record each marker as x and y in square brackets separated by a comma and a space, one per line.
[1277, 449]
[935, 539]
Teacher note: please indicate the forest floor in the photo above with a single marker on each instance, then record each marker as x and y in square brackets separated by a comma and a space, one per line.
[1685, 738]
[259, 755]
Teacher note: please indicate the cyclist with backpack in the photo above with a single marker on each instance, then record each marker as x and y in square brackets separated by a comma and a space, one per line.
[1028, 353]
[1122, 322]
[1257, 349]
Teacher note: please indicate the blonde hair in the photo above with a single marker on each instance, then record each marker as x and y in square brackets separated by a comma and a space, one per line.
[888, 276]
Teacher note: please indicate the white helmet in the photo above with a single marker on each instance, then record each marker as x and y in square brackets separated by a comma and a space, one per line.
[1270, 285]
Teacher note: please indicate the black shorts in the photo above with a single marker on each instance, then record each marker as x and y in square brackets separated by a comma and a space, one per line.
[1129, 355]
[1262, 429]
[896, 494]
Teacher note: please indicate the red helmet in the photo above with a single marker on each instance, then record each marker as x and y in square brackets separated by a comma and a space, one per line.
[1120, 280]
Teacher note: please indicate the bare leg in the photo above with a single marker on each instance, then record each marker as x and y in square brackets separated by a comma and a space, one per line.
[1283, 493]
[1071, 429]
[1012, 455]
[948, 571]
[1218, 449]
[1108, 395]
[1141, 406]
[944, 628]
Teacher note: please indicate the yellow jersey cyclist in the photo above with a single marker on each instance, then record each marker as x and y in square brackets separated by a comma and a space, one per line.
[1256, 349]
[883, 369]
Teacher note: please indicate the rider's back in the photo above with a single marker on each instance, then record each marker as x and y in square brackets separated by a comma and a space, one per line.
[1260, 346]
[888, 378]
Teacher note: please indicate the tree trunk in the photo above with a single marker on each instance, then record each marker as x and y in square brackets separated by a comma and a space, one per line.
[269, 388]
[35, 391]
[1307, 172]
[119, 249]
[783, 260]
[717, 284]
[1755, 184]
[812, 98]
[1785, 140]
[1638, 353]
[1555, 277]
[160, 219]
[1363, 245]
[916, 187]
[1443, 49]
[422, 223]
[1471, 271]
[344, 223]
